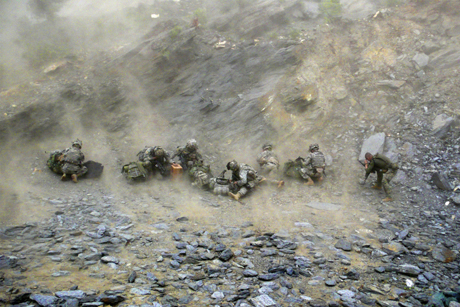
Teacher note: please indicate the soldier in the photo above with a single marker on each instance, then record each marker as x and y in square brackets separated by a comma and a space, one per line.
[188, 155]
[268, 161]
[192, 161]
[156, 158]
[380, 164]
[244, 178]
[71, 162]
[314, 165]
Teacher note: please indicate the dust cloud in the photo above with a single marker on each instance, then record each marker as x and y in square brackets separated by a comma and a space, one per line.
[103, 105]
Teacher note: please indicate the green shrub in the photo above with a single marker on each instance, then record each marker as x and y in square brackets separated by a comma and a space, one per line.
[175, 31]
[273, 35]
[294, 34]
[43, 53]
[201, 15]
[331, 9]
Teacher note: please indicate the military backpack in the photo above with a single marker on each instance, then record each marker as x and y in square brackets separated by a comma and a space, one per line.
[134, 171]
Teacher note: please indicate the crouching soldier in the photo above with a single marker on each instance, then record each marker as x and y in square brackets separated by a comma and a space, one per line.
[268, 161]
[244, 178]
[71, 162]
[314, 165]
[188, 155]
[381, 164]
[156, 159]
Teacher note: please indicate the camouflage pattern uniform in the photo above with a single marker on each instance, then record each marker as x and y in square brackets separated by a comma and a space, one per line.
[244, 177]
[381, 164]
[72, 161]
[314, 161]
[268, 161]
[192, 162]
[156, 159]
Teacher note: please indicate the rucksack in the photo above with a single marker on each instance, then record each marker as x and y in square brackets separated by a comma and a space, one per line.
[134, 171]
[53, 162]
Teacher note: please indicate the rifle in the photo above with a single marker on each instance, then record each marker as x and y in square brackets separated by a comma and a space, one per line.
[224, 181]
[160, 166]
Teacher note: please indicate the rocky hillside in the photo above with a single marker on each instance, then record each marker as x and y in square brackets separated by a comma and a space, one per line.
[238, 76]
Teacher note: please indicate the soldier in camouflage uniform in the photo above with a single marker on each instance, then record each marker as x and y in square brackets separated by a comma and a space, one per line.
[188, 155]
[381, 164]
[156, 159]
[244, 178]
[314, 165]
[192, 162]
[268, 161]
[71, 162]
[311, 168]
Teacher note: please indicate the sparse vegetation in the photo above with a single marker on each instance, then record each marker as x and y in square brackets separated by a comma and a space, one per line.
[45, 8]
[273, 35]
[43, 42]
[391, 3]
[294, 34]
[200, 14]
[330, 9]
[175, 31]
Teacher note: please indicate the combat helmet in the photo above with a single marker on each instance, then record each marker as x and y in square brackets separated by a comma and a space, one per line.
[77, 143]
[267, 146]
[159, 152]
[314, 147]
[232, 165]
[191, 144]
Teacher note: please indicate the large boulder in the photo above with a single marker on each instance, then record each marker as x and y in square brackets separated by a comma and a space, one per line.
[373, 144]
[441, 125]
[441, 181]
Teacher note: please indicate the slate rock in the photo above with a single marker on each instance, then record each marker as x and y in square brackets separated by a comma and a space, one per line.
[108, 259]
[268, 277]
[443, 254]
[409, 269]
[441, 181]
[71, 302]
[138, 291]
[250, 273]
[44, 300]
[343, 244]
[263, 301]
[330, 282]
[132, 277]
[421, 60]
[226, 255]
[317, 303]
[373, 144]
[394, 248]
[76, 294]
[170, 300]
[442, 125]
[111, 299]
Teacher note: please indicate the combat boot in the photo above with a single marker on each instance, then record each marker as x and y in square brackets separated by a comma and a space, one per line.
[280, 184]
[309, 181]
[377, 187]
[236, 196]
[387, 199]
[74, 178]
[63, 177]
